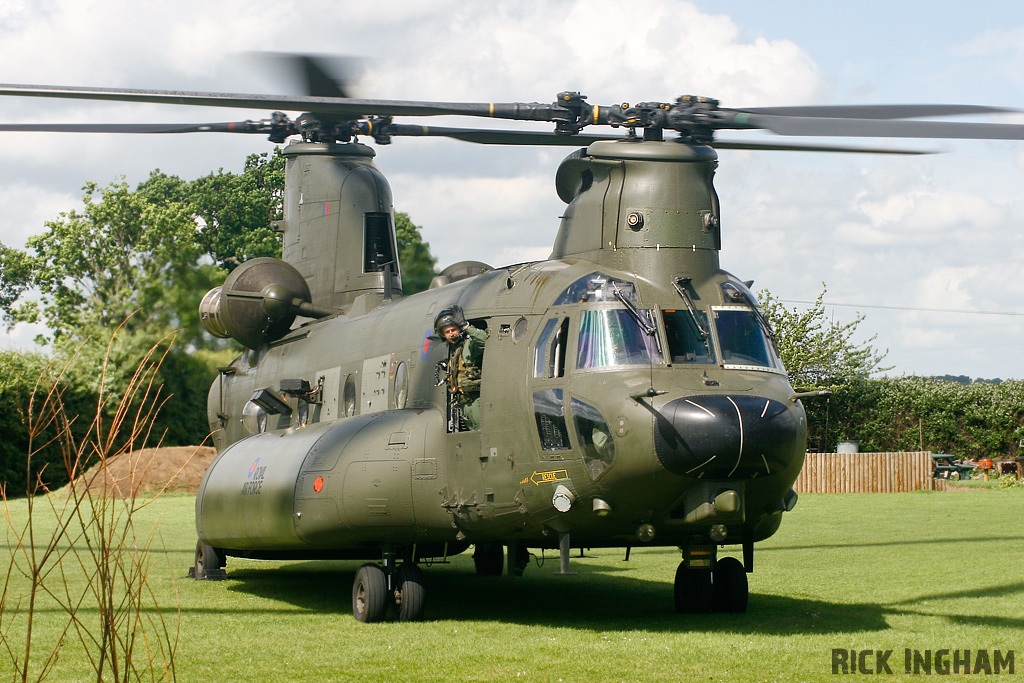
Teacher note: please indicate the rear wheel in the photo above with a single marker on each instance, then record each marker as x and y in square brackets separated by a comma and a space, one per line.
[209, 562]
[409, 594]
[369, 594]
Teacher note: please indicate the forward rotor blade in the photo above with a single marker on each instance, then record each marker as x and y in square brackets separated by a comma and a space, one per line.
[809, 126]
[499, 137]
[881, 111]
[807, 147]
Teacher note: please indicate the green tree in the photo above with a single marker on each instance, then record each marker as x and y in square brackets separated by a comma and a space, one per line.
[818, 352]
[418, 265]
[235, 211]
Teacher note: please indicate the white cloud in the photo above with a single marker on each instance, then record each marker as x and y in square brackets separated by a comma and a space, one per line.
[878, 231]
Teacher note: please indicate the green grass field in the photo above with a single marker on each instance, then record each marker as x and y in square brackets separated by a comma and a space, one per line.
[855, 571]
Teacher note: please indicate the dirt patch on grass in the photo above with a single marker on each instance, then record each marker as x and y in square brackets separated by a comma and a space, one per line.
[178, 468]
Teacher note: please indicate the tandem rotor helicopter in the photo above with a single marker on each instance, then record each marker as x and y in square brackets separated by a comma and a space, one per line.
[630, 390]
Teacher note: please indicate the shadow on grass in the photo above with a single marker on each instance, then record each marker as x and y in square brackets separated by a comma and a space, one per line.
[1002, 538]
[599, 599]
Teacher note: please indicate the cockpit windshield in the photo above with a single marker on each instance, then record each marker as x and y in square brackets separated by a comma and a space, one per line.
[742, 339]
[687, 337]
[596, 288]
[611, 337]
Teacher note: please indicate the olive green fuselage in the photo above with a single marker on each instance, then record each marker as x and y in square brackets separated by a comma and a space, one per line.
[575, 436]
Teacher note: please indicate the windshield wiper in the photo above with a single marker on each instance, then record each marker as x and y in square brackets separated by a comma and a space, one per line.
[644, 325]
[694, 319]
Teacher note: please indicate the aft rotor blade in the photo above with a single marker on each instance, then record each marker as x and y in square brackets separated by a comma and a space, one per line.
[809, 126]
[140, 128]
[517, 137]
[335, 106]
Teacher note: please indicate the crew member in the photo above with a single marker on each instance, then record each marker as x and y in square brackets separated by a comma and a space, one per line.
[465, 360]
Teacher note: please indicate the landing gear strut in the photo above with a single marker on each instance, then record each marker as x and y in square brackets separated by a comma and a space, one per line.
[209, 563]
[377, 587]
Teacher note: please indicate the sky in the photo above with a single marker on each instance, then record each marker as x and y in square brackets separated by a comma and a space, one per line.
[927, 248]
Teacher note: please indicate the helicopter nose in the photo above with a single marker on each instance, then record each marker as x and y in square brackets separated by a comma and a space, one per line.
[724, 436]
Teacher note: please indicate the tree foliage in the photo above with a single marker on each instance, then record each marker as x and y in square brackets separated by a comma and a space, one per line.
[418, 265]
[816, 351]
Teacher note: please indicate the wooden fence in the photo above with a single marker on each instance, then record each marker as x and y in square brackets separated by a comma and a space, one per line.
[866, 473]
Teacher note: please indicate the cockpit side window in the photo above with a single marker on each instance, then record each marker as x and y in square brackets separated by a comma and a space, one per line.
[549, 411]
[610, 337]
[549, 354]
[742, 339]
[595, 438]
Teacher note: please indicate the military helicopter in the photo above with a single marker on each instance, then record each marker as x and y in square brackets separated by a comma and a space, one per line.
[631, 392]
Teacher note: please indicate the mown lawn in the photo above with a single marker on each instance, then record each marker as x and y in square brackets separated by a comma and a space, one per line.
[922, 571]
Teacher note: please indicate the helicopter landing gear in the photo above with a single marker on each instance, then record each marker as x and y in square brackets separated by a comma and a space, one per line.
[489, 559]
[722, 589]
[209, 563]
[375, 589]
[369, 593]
[729, 586]
[692, 590]
[408, 594]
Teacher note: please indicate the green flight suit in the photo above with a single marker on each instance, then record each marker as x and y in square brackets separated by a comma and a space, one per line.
[465, 366]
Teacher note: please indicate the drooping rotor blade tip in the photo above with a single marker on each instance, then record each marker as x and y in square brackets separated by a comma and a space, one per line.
[316, 75]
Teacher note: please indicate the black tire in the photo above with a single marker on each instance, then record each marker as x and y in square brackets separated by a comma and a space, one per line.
[369, 594]
[207, 561]
[410, 595]
[489, 559]
[692, 590]
[730, 591]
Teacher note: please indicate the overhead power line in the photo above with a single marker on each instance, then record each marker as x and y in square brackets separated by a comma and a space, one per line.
[906, 308]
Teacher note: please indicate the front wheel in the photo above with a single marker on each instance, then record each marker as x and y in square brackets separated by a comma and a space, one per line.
[489, 559]
[730, 592]
[692, 590]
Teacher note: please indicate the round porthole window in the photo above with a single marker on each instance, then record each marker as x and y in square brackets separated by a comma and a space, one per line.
[520, 329]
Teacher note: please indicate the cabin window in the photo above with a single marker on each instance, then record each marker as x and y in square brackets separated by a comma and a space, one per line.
[549, 411]
[401, 392]
[549, 354]
[378, 247]
[254, 418]
[743, 341]
[594, 436]
[596, 288]
[349, 397]
[688, 340]
[611, 337]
